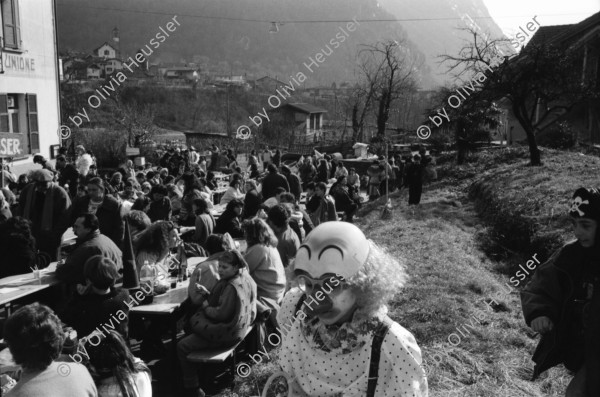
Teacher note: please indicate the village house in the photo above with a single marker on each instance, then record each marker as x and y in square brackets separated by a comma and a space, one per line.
[584, 37]
[29, 72]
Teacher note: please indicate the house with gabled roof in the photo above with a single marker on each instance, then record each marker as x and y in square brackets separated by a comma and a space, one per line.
[105, 51]
[584, 38]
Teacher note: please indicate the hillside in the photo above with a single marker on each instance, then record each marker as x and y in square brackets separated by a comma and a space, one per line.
[229, 46]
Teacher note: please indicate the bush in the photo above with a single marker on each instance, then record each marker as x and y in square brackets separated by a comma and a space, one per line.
[107, 145]
[558, 136]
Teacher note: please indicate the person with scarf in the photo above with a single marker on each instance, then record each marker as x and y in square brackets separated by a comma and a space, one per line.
[561, 301]
[337, 336]
[47, 206]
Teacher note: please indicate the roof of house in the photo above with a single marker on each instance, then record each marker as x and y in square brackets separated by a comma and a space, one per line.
[545, 34]
[305, 108]
[560, 34]
[181, 69]
[105, 43]
[270, 78]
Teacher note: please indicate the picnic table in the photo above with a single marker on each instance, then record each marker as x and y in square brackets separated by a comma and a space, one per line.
[19, 286]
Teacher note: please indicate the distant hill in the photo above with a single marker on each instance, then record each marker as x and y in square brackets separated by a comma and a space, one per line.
[238, 47]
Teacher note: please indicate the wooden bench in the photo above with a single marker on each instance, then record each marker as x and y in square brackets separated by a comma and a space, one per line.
[219, 355]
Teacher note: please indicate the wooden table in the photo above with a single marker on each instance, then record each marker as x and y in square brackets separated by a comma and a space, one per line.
[167, 307]
[16, 287]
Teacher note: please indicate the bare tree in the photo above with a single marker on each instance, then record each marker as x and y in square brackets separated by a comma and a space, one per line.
[543, 83]
[388, 71]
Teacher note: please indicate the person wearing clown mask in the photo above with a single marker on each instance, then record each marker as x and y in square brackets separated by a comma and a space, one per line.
[337, 337]
[562, 301]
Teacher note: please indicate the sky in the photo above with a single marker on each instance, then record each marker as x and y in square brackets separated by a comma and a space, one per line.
[511, 14]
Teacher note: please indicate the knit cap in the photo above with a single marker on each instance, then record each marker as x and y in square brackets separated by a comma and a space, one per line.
[586, 204]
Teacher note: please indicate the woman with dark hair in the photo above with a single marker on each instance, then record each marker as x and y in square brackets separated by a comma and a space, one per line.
[234, 192]
[265, 264]
[155, 244]
[211, 182]
[160, 207]
[35, 339]
[17, 247]
[254, 173]
[223, 318]
[230, 220]
[118, 373]
[277, 158]
[322, 172]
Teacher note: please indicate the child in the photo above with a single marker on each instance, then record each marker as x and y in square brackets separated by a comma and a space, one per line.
[223, 318]
[116, 371]
[557, 302]
[99, 302]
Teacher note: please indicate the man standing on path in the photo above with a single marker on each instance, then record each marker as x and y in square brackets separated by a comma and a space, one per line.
[414, 180]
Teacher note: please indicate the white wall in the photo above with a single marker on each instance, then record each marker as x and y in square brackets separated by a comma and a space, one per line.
[38, 44]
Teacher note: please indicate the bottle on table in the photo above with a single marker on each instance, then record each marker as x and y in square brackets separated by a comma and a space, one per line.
[148, 274]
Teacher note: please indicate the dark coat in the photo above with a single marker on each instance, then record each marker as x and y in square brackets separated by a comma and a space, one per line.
[86, 312]
[228, 222]
[271, 182]
[69, 175]
[109, 217]
[17, 251]
[295, 185]
[550, 293]
[252, 202]
[160, 210]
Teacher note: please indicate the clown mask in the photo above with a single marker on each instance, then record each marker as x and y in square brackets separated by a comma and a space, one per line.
[332, 253]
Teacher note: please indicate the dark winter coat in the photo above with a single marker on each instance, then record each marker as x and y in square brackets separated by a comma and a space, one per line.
[550, 293]
[271, 182]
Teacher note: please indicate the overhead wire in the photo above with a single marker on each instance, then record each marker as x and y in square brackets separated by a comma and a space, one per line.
[297, 21]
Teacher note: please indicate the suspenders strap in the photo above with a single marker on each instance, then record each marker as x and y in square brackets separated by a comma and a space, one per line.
[380, 334]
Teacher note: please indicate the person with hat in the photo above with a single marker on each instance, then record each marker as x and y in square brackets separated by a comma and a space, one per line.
[105, 207]
[561, 300]
[47, 206]
[337, 337]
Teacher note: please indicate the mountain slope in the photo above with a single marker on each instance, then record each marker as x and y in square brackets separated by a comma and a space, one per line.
[237, 47]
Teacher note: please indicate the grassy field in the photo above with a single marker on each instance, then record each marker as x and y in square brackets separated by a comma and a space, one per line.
[459, 254]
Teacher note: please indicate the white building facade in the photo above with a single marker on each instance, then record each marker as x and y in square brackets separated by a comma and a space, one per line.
[29, 87]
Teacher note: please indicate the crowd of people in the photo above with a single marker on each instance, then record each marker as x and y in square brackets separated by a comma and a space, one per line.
[160, 208]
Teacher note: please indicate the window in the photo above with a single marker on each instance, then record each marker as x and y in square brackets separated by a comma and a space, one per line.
[18, 115]
[106, 52]
[11, 28]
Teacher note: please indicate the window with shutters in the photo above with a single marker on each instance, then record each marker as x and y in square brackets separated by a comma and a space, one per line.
[11, 27]
[10, 114]
[32, 121]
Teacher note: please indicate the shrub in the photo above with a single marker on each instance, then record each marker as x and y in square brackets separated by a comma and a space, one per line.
[558, 136]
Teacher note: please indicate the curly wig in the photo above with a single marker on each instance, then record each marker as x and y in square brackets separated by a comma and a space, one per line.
[377, 281]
